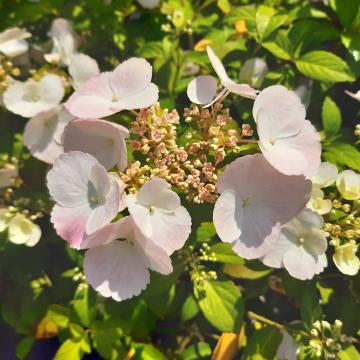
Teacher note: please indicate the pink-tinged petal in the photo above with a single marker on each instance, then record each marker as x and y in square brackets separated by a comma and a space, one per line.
[264, 199]
[217, 65]
[140, 214]
[121, 229]
[226, 216]
[131, 77]
[69, 223]
[301, 264]
[82, 68]
[52, 89]
[202, 89]
[142, 99]
[156, 257]
[240, 89]
[108, 192]
[93, 99]
[115, 177]
[275, 258]
[38, 136]
[248, 249]
[100, 138]
[157, 192]
[116, 270]
[170, 230]
[221, 93]
[280, 103]
[68, 179]
[299, 154]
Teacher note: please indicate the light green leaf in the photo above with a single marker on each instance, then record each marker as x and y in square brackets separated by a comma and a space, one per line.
[267, 22]
[205, 232]
[331, 117]
[279, 45]
[221, 303]
[324, 66]
[344, 154]
[263, 344]
[351, 41]
[348, 12]
[224, 6]
[189, 309]
[225, 254]
[350, 353]
[197, 351]
[59, 315]
[73, 349]
[147, 352]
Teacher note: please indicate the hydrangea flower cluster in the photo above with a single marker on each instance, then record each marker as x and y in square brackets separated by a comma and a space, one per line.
[127, 215]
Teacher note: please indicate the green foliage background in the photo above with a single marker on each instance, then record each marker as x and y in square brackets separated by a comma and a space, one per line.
[47, 309]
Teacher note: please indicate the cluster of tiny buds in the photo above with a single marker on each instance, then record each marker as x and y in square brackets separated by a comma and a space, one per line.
[199, 277]
[357, 130]
[12, 210]
[346, 229]
[78, 276]
[7, 70]
[337, 204]
[327, 340]
[206, 254]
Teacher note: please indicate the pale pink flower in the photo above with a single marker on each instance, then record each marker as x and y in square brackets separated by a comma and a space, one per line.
[288, 348]
[202, 89]
[33, 97]
[128, 87]
[326, 175]
[289, 142]
[82, 68]
[231, 86]
[255, 201]
[120, 269]
[87, 197]
[13, 43]
[64, 42]
[301, 247]
[102, 139]
[157, 211]
[43, 132]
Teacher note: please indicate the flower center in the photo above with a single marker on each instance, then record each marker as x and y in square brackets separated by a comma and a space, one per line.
[301, 240]
[97, 200]
[272, 141]
[246, 202]
[151, 209]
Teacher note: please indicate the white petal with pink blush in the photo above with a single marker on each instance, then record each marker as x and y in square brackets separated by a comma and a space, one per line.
[290, 143]
[301, 248]
[43, 133]
[82, 68]
[157, 211]
[119, 258]
[128, 87]
[255, 201]
[87, 197]
[244, 90]
[13, 43]
[33, 97]
[102, 139]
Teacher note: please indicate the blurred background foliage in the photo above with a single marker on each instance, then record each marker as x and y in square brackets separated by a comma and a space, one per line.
[47, 308]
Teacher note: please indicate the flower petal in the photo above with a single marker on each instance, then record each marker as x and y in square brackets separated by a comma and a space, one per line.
[82, 68]
[202, 89]
[116, 270]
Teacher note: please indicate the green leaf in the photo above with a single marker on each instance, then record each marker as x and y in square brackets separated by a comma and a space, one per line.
[351, 41]
[331, 117]
[256, 271]
[23, 347]
[263, 344]
[279, 45]
[324, 66]
[106, 338]
[310, 308]
[205, 232]
[73, 349]
[189, 309]
[350, 353]
[267, 22]
[221, 303]
[225, 254]
[348, 12]
[59, 315]
[147, 352]
[344, 154]
[224, 6]
[197, 351]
